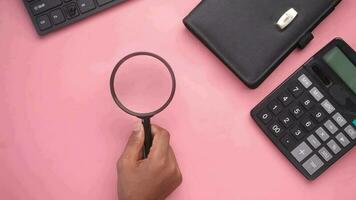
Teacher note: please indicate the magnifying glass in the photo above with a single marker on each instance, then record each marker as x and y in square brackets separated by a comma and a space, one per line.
[143, 84]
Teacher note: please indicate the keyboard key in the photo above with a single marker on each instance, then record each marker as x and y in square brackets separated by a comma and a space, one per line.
[307, 102]
[275, 107]
[286, 120]
[305, 81]
[340, 120]
[332, 128]
[288, 141]
[86, 5]
[316, 94]
[71, 11]
[343, 139]
[43, 22]
[57, 17]
[286, 98]
[313, 164]
[41, 6]
[334, 147]
[351, 132]
[297, 132]
[319, 115]
[325, 154]
[323, 135]
[297, 111]
[301, 152]
[265, 116]
[276, 129]
[314, 141]
[102, 2]
[296, 89]
[308, 124]
[329, 108]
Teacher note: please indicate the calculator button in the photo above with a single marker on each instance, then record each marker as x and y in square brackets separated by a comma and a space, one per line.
[276, 129]
[265, 116]
[276, 107]
[297, 132]
[351, 132]
[86, 5]
[297, 111]
[334, 147]
[340, 120]
[43, 22]
[316, 94]
[301, 152]
[286, 120]
[323, 135]
[343, 139]
[286, 98]
[313, 141]
[307, 102]
[313, 164]
[305, 81]
[296, 89]
[325, 154]
[288, 141]
[329, 108]
[57, 17]
[308, 124]
[319, 115]
[331, 127]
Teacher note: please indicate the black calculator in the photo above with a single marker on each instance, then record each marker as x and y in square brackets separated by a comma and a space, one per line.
[311, 117]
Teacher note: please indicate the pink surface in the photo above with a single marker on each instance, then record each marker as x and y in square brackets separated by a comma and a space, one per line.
[61, 133]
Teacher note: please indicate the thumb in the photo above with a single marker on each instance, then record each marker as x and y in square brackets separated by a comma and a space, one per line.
[134, 145]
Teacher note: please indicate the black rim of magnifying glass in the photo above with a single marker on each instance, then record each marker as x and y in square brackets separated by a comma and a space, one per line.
[118, 102]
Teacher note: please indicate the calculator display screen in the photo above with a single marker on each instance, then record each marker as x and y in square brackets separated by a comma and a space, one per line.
[342, 66]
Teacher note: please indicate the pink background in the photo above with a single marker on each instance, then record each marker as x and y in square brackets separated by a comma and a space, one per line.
[61, 133]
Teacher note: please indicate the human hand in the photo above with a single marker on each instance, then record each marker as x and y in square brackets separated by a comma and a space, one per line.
[153, 178]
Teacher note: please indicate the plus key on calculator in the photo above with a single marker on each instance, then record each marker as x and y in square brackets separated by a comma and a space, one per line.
[311, 117]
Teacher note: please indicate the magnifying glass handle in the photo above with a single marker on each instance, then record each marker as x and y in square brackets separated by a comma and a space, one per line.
[148, 137]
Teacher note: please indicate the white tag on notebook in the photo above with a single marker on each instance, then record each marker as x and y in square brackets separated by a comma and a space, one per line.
[287, 18]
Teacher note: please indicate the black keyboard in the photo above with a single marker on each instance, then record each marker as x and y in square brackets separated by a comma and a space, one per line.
[50, 15]
[311, 117]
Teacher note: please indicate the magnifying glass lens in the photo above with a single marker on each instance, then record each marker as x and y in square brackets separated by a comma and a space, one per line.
[143, 84]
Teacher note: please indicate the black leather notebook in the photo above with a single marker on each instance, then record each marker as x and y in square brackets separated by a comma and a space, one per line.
[245, 36]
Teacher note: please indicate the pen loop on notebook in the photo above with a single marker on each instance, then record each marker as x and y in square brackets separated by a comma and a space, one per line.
[287, 18]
